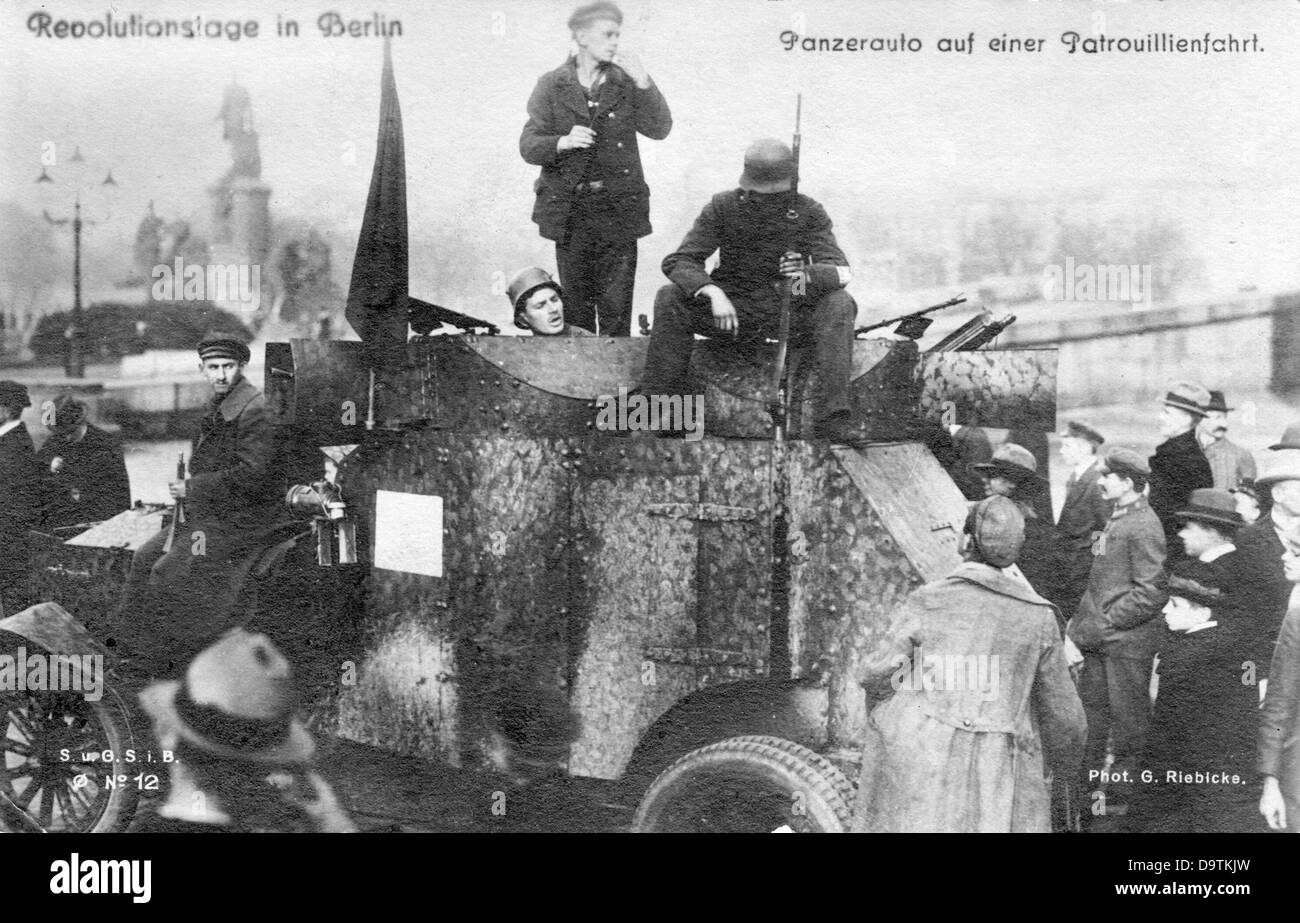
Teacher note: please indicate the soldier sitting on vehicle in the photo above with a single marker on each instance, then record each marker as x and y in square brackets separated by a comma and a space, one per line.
[83, 468]
[763, 232]
[538, 304]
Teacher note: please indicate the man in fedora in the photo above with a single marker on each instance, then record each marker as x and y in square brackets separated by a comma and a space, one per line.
[538, 304]
[1229, 463]
[1266, 591]
[1290, 439]
[1179, 466]
[1084, 512]
[592, 197]
[177, 601]
[241, 757]
[1013, 473]
[1116, 629]
[20, 497]
[763, 232]
[82, 467]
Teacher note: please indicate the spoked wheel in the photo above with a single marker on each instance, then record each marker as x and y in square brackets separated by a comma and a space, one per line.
[53, 777]
[752, 784]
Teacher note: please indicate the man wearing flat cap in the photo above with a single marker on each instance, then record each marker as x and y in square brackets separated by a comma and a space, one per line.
[1229, 463]
[83, 469]
[763, 232]
[538, 304]
[1179, 466]
[1116, 629]
[233, 494]
[1084, 513]
[20, 497]
[592, 198]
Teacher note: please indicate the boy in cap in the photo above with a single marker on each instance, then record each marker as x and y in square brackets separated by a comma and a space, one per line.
[1116, 630]
[20, 497]
[1200, 748]
[1084, 512]
[1229, 462]
[592, 198]
[82, 467]
[762, 232]
[538, 304]
[1179, 466]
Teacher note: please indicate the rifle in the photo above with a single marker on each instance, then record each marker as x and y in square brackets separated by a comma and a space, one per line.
[776, 403]
[178, 516]
[906, 317]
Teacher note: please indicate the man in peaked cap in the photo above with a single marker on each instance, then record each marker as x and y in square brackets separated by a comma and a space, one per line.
[762, 232]
[1084, 512]
[592, 199]
[1179, 466]
[20, 497]
[1229, 463]
[538, 304]
[180, 599]
[1116, 629]
[84, 472]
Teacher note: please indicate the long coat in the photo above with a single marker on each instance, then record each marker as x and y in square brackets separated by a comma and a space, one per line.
[1265, 591]
[20, 505]
[90, 483]
[1126, 587]
[1279, 724]
[1084, 515]
[1178, 468]
[970, 753]
[558, 103]
[1040, 558]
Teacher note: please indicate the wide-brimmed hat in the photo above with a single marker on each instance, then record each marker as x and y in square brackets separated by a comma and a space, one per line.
[1290, 438]
[1076, 430]
[1188, 396]
[769, 167]
[1198, 581]
[1281, 465]
[223, 344]
[1217, 402]
[1013, 461]
[236, 701]
[1215, 507]
[525, 282]
[998, 529]
[1126, 463]
[13, 395]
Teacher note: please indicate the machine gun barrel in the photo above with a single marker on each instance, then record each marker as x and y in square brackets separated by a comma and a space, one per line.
[951, 302]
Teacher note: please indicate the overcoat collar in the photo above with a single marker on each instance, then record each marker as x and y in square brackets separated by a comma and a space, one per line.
[994, 580]
[574, 96]
[240, 396]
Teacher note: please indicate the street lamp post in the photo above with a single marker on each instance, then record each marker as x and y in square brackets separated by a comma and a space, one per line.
[74, 357]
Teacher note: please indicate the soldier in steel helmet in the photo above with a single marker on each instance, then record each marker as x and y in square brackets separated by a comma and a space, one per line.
[538, 303]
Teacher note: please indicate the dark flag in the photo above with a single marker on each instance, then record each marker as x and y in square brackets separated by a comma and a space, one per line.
[377, 295]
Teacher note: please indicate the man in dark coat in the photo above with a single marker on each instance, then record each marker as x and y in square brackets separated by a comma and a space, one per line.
[1179, 466]
[20, 497]
[84, 472]
[1266, 591]
[1013, 473]
[592, 198]
[1116, 629]
[1279, 719]
[180, 599]
[1084, 513]
[762, 231]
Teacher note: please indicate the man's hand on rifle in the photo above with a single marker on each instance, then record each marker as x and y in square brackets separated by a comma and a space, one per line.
[724, 312]
[177, 490]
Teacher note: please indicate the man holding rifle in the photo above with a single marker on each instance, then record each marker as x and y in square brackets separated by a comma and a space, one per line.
[764, 233]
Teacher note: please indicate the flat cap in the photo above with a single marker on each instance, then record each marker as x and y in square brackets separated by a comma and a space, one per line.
[998, 529]
[1076, 430]
[223, 344]
[588, 13]
[1014, 461]
[1126, 463]
[1188, 396]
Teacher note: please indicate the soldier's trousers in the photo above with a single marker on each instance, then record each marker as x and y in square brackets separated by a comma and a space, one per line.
[826, 324]
[1117, 703]
[597, 273]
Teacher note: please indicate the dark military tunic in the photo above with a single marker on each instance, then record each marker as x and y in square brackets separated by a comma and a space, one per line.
[84, 481]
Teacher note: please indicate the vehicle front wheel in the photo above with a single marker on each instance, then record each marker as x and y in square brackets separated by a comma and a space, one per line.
[747, 784]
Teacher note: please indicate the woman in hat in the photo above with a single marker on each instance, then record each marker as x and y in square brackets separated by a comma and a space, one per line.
[973, 701]
[1013, 473]
[243, 762]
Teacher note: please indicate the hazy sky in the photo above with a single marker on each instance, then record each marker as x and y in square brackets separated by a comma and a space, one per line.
[880, 129]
